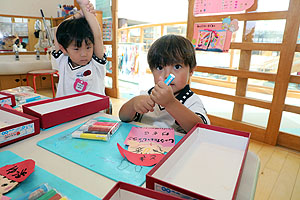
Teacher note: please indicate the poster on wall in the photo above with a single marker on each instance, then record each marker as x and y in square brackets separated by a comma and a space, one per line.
[214, 36]
[107, 29]
[218, 6]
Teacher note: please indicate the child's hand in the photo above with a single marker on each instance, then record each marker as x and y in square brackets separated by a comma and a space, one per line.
[162, 94]
[90, 8]
[143, 104]
[83, 2]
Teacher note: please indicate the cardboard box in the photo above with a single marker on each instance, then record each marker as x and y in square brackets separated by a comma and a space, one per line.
[6, 98]
[206, 164]
[52, 112]
[125, 191]
[15, 126]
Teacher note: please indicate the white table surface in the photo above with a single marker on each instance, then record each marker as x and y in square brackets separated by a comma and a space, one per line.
[95, 183]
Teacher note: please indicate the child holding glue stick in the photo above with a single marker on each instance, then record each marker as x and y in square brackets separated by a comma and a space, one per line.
[168, 106]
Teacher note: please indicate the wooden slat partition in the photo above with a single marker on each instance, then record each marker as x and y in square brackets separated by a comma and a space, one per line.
[238, 73]
[236, 99]
[282, 78]
[295, 79]
[257, 132]
[114, 91]
[284, 70]
[298, 48]
[293, 109]
[255, 46]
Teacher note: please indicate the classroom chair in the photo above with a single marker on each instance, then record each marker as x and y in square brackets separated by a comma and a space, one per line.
[42, 72]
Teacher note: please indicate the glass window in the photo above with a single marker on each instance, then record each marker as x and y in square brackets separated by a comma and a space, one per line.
[134, 35]
[298, 39]
[21, 29]
[123, 36]
[177, 29]
[214, 86]
[108, 50]
[293, 94]
[255, 115]
[296, 64]
[18, 20]
[5, 19]
[265, 61]
[217, 107]
[270, 5]
[6, 28]
[260, 89]
[290, 123]
[265, 31]
[150, 35]
[109, 67]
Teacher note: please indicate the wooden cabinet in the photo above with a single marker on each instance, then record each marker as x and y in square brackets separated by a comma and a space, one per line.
[12, 81]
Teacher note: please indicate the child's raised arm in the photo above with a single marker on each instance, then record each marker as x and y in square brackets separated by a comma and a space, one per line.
[95, 27]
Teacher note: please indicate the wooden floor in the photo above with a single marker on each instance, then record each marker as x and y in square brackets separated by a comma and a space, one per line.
[279, 176]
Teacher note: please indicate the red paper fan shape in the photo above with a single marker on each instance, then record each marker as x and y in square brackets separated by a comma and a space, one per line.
[19, 171]
[140, 159]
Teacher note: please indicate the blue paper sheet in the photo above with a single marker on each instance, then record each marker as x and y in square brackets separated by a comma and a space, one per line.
[102, 157]
[40, 176]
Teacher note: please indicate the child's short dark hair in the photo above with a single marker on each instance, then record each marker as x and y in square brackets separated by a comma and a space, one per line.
[23, 44]
[171, 49]
[74, 30]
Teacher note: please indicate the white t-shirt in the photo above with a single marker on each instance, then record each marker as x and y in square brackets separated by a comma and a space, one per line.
[85, 78]
[162, 119]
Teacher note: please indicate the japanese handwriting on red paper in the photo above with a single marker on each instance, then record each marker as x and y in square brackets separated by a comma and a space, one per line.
[19, 171]
[140, 159]
[16, 173]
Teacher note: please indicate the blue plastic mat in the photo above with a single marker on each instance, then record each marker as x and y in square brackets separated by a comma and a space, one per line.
[40, 176]
[102, 157]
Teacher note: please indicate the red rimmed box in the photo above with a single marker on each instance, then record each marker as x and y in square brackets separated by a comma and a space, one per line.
[206, 164]
[6, 98]
[52, 112]
[125, 191]
[15, 125]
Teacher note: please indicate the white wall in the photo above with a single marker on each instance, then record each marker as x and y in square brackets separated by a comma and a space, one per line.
[32, 7]
[153, 11]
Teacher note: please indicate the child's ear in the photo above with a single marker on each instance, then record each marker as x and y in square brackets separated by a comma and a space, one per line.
[63, 49]
[192, 71]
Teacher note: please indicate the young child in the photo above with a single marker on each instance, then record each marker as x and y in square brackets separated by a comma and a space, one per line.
[174, 106]
[79, 53]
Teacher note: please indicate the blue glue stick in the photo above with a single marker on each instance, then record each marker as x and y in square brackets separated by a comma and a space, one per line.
[169, 80]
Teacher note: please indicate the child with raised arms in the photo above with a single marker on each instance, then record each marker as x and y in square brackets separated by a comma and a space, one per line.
[79, 53]
[174, 106]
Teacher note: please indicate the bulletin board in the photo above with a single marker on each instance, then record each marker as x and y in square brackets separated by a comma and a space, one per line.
[219, 6]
